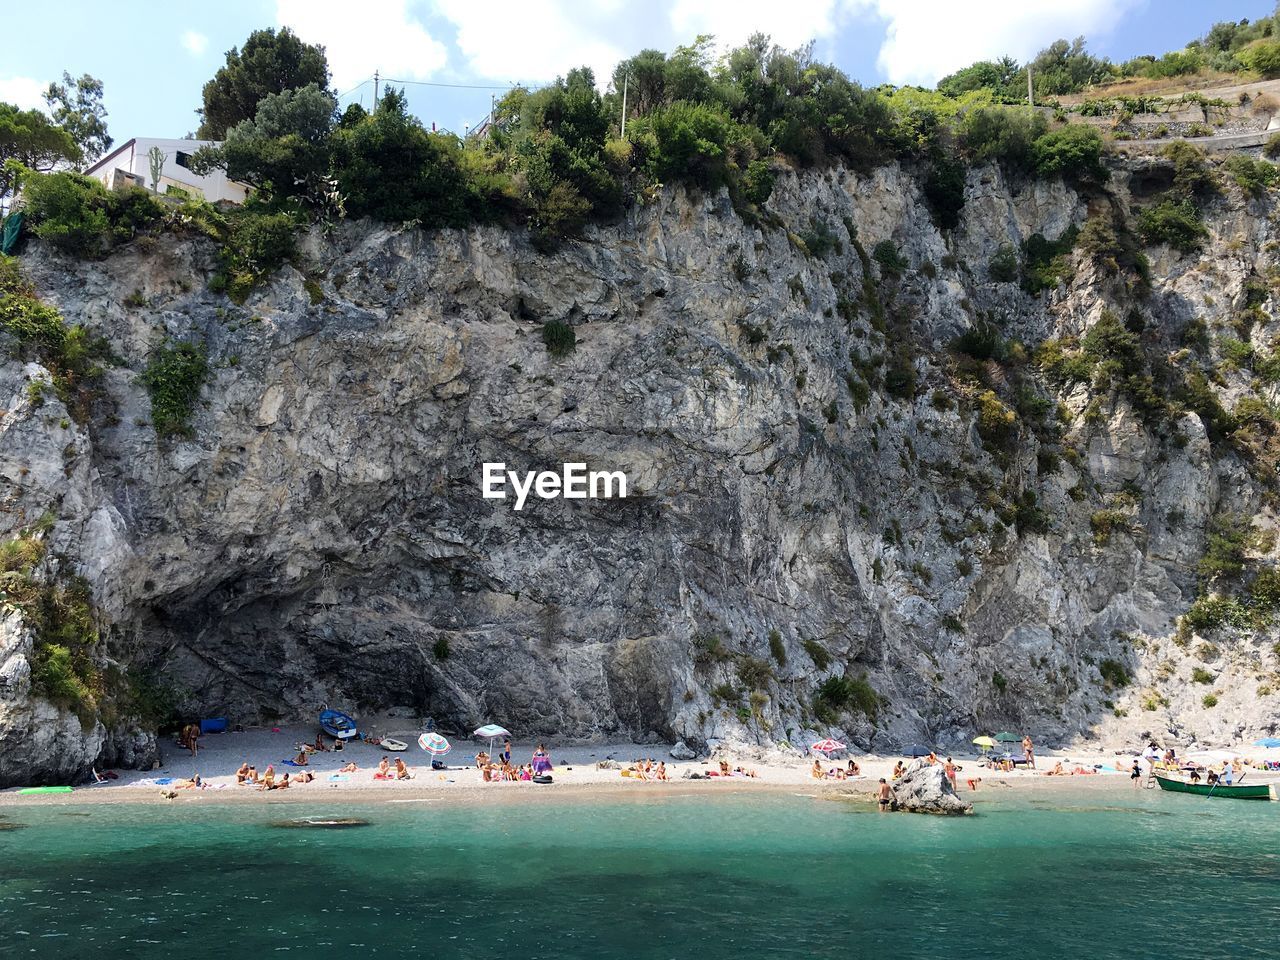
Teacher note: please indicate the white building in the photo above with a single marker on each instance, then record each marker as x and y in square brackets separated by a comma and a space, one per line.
[130, 163]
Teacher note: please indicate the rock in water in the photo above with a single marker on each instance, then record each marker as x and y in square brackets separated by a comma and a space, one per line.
[924, 788]
[682, 751]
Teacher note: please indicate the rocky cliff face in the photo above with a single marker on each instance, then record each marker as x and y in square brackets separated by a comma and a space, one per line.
[813, 494]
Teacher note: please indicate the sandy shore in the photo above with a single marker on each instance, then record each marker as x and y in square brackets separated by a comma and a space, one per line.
[576, 774]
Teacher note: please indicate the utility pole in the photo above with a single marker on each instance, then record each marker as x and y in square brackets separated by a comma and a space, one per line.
[625, 78]
[375, 90]
[1031, 99]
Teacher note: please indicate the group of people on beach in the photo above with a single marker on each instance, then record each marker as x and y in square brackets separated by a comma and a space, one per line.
[499, 769]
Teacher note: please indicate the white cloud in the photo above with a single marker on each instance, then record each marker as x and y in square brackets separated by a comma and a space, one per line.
[535, 40]
[789, 25]
[366, 37]
[194, 43]
[23, 92]
[928, 39]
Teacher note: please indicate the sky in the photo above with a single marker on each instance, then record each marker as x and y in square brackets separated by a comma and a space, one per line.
[452, 56]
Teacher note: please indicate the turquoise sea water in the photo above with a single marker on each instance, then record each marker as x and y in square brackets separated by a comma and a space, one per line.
[1085, 875]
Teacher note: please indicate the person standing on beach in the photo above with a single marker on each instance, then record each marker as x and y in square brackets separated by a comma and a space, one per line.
[1135, 775]
[1029, 751]
[506, 751]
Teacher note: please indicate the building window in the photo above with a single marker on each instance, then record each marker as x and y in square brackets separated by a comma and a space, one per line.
[183, 159]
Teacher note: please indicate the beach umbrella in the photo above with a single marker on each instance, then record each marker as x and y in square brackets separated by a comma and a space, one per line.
[434, 744]
[827, 746]
[985, 743]
[1267, 742]
[1004, 736]
[915, 750]
[491, 730]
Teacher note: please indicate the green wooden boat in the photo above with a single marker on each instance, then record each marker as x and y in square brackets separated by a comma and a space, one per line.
[1238, 791]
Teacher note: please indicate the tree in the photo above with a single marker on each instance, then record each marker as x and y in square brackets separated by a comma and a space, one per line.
[284, 145]
[28, 138]
[269, 63]
[76, 107]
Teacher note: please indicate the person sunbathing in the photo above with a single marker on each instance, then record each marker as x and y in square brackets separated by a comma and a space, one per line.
[743, 772]
[301, 759]
[384, 768]
[482, 759]
[899, 769]
[816, 772]
[349, 768]
[320, 747]
[486, 773]
[253, 774]
[306, 776]
[933, 758]
[662, 770]
[194, 783]
[283, 784]
[402, 772]
[1057, 771]
[526, 772]
[854, 770]
[268, 778]
[242, 775]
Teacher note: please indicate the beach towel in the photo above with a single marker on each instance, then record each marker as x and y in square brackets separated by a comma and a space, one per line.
[338, 776]
[291, 763]
[384, 776]
[163, 781]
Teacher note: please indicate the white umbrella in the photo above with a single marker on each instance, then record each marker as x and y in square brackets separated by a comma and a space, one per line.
[491, 730]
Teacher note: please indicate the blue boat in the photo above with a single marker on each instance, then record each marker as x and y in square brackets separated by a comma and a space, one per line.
[337, 724]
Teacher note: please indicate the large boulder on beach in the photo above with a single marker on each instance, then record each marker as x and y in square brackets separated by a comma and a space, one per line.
[924, 788]
[682, 751]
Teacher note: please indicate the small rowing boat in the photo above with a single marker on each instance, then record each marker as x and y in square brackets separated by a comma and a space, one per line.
[392, 744]
[337, 724]
[1237, 791]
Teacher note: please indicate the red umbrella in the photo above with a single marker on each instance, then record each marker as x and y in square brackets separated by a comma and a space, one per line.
[827, 746]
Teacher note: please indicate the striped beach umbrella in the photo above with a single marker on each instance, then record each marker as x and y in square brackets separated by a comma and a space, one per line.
[827, 746]
[434, 744]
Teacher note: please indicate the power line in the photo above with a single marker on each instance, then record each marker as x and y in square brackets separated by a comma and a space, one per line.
[458, 86]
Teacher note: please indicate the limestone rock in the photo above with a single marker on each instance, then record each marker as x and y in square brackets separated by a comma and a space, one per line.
[682, 751]
[924, 788]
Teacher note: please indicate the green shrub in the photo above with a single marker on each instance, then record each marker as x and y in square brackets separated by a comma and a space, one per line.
[79, 215]
[1104, 522]
[255, 245]
[64, 668]
[844, 694]
[1230, 537]
[1003, 267]
[1046, 263]
[1209, 700]
[777, 648]
[1193, 179]
[999, 681]
[1201, 675]
[173, 378]
[997, 424]
[1073, 151]
[1265, 588]
[817, 653]
[1262, 56]
[440, 649]
[38, 331]
[1114, 673]
[560, 338]
[1215, 610]
[1174, 223]
[1252, 176]
[1272, 147]
[892, 263]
